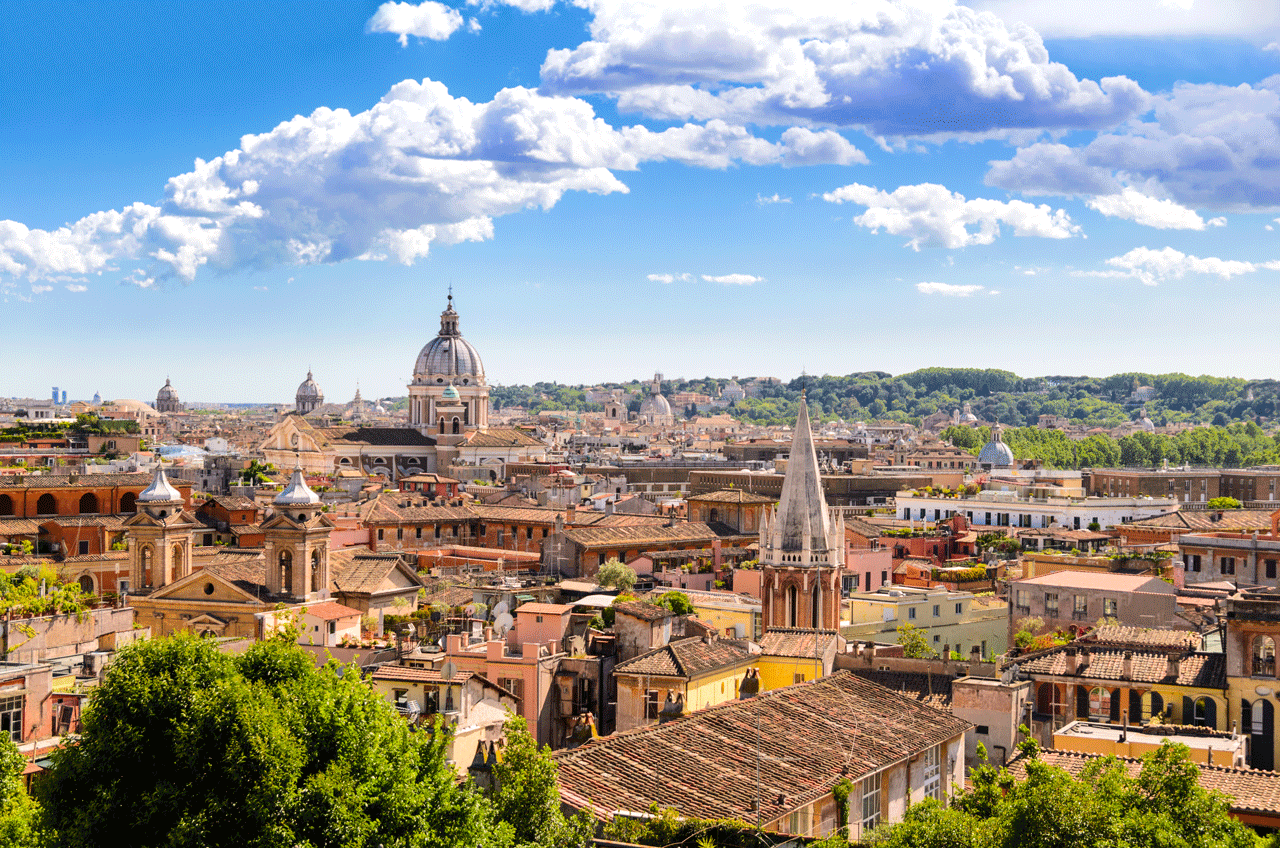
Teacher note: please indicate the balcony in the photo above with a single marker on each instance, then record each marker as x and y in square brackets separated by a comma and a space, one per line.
[1264, 666]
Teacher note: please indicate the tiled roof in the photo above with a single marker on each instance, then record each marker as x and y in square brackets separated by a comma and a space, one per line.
[390, 509]
[736, 496]
[1105, 581]
[360, 570]
[331, 610]
[247, 573]
[25, 526]
[113, 521]
[642, 610]
[931, 689]
[804, 737]
[80, 481]
[380, 436]
[686, 658]
[1232, 519]
[1195, 669]
[1149, 638]
[410, 674]
[1250, 790]
[234, 502]
[637, 536]
[500, 438]
[545, 609]
[795, 642]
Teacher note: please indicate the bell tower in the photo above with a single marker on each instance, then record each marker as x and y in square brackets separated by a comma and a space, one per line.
[160, 536]
[802, 545]
[297, 544]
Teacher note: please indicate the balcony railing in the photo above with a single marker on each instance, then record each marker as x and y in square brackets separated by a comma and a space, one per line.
[1264, 666]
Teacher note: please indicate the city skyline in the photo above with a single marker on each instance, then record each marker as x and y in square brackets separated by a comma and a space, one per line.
[615, 189]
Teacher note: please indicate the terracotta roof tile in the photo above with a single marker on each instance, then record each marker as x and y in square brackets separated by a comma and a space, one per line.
[795, 642]
[805, 737]
[686, 658]
[1194, 669]
[642, 610]
[931, 689]
[1149, 638]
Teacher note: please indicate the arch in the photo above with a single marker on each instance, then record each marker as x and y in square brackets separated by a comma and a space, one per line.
[1051, 700]
[793, 601]
[1152, 705]
[816, 605]
[1264, 656]
[442, 425]
[1099, 704]
[1204, 713]
[147, 560]
[89, 504]
[286, 572]
[315, 570]
[128, 502]
[86, 584]
[1259, 723]
[47, 504]
[457, 425]
[6, 505]
[176, 562]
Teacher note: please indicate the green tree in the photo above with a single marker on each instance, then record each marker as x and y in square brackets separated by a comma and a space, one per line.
[914, 642]
[615, 575]
[1223, 502]
[677, 602]
[526, 796]
[18, 813]
[186, 746]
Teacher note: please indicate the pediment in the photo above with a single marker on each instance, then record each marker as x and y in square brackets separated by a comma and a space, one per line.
[196, 587]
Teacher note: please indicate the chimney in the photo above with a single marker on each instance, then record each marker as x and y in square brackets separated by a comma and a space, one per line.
[1072, 660]
[570, 514]
[1126, 672]
[1175, 665]
[1084, 659]
[715, 554]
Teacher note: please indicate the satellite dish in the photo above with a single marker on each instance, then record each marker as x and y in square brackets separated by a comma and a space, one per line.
[469, 609]
[502, 623]
[500, 608]
[448, 670]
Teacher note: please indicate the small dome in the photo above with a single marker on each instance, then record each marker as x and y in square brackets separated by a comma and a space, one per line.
[309, 390]
[449, 355]
[450, 393]
[297, 493]
[160, 490]
[996, 453]
[167, 391]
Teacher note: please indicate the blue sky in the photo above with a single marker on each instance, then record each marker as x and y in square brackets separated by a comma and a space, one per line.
[614, 188]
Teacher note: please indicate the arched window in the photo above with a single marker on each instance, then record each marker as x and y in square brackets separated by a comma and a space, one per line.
[128, 502]
[457, 425]
[86, 584]
[1264, 656]
[315, 571]
[6, 505]
[1259, 723]
[793, 601]
[286, 572]
[1152, 705]
[1099, 704]
[46, 505]
[147, 559]
[1204, 713]
[176, 560]
[814, 620]
[88, 503]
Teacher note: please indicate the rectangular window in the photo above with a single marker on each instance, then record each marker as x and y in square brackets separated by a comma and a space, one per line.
[911, 613]
[514, 685]
[1271, 569]
[937, 610]
[958, 608]
[932, 761]
[1228, 565]
[651, 704]
[11, 717]
[797, 677]
[399, 533]
[1022, 601]
[83, 547]
[417, 532]
[1080, 612]
[65, 714]
[1110, 608]
[870, 803]
[379, 534]
[1051, 604]
[1195, 563]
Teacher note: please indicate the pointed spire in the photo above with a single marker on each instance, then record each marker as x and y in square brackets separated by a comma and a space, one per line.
[802, 523]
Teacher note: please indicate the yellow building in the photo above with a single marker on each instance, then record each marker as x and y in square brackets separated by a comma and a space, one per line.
[1223, 748]
[678, 678]
[790, 655]
[1253, 630]
[730, 614]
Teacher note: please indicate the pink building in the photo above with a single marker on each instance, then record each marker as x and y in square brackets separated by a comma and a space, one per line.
[527, 671]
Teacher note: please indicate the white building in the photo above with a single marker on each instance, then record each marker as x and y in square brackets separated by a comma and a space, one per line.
[1009, 509]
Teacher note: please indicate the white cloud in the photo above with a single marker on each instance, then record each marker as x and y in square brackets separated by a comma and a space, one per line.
[419, 168]
[1273, 47]
[75, 287]
[930, 213]
[949, 290]
[1217, 222]
[926, 68]
[1204, 146]
[1141, 18]
[766, 201]
[667, 279]
[1154, 266]
[1133, 205]
[40, 289]
[260, 288]
[733, 279]
[427, 19]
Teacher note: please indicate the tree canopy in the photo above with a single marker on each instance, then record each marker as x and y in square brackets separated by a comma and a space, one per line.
[186, 746]
[616, 575]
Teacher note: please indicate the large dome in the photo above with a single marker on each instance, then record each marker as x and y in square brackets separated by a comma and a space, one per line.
[167, 391]
[309, 389]
[995, 453]
[655, 405]
[449, 355]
